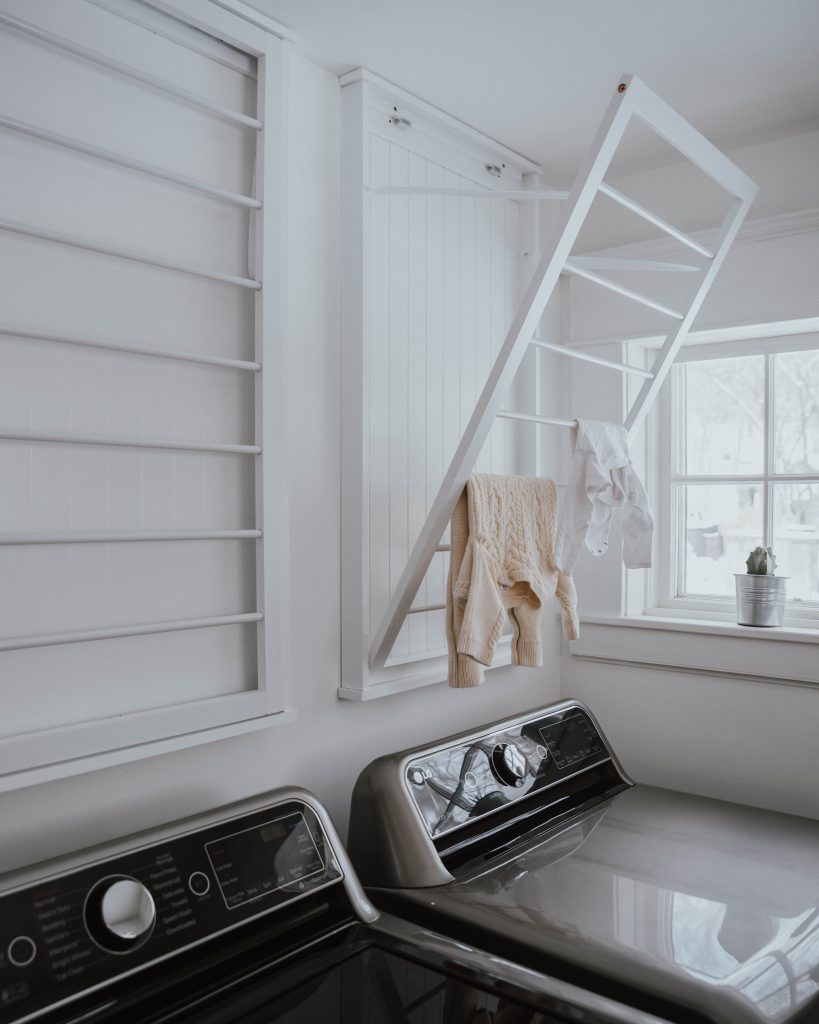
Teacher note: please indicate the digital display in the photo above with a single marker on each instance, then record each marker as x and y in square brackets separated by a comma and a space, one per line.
[571, 740]
[275, 855]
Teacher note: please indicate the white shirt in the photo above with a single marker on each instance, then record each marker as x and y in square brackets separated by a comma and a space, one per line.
[602, 479]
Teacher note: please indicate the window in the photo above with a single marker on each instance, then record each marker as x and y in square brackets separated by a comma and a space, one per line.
[741, 469]
[141, 395]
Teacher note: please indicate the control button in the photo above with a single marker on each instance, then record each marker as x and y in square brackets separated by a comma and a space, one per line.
[199, 883]
[470, 782]
[541, 751]
[509, 764]
[21, 951]
[417, 777]
[119, 914]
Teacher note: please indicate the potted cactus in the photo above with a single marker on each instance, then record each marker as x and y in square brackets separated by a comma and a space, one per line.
[760, 593]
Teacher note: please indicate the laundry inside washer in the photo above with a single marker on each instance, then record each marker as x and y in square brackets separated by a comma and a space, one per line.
[527, 839]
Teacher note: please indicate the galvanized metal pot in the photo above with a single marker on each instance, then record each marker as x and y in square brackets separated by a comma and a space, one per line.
[760, 599]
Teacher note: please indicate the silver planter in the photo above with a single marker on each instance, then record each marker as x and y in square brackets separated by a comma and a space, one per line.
[760, 599]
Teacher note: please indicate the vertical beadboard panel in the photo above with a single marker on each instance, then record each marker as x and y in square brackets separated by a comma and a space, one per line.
[440, 286]
[434, 441]
[377, 315]
[484, 335]
[416, 385]
[399, 360]
[443, 288]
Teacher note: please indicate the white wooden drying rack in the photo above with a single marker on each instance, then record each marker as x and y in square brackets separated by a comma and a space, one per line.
[632, 99]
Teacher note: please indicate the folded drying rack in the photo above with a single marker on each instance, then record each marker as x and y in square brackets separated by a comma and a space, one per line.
[632, 99]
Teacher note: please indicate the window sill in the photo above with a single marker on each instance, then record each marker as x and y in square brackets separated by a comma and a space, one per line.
[785, 654]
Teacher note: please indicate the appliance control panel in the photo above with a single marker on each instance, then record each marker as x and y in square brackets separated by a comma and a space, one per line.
[453, 785]
[72, 932]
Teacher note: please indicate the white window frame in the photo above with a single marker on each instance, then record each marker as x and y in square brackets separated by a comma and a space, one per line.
[668, 442]
[644, 629]
[35, 757]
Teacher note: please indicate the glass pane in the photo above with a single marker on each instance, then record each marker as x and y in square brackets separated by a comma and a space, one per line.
[796, 412]
[723, 522]
[796, 538]
[724, 416]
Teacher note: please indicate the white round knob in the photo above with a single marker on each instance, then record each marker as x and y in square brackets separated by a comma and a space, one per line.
[128, 909]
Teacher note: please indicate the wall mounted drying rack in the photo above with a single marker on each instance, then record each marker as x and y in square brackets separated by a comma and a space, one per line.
[258, 57]
[632, 99]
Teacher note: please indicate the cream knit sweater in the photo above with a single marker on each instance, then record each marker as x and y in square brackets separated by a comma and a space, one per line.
[502, 559]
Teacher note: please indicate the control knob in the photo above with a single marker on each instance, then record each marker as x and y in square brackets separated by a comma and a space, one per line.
[509, 764]
[119, 914]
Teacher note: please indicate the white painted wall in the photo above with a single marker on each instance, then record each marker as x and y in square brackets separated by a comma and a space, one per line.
[751, 740]
[331, 739]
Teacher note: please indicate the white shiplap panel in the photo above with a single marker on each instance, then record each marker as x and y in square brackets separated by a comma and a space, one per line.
[434, 441]
[483, 307]
[377, 318]
[442, 290]
[451, 319]
[399, 439]
[427, 311]
[416, 383]
[466, 308]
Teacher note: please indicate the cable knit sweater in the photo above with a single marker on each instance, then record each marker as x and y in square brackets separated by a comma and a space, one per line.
[502, 559]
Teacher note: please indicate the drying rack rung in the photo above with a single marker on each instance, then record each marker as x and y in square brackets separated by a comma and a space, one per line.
[640, 266]
[574, 353]
[619, 289]
[652, 218]
[526, 417]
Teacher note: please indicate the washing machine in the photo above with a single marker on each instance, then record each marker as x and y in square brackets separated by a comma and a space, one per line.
[250, 913]
[526, 839]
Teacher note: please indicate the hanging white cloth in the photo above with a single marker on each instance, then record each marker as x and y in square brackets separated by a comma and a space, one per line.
[602, 478]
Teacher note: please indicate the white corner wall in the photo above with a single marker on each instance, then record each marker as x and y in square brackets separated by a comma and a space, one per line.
[331, 740]
[746, 739]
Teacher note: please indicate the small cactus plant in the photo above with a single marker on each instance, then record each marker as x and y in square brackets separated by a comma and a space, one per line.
[761, 562]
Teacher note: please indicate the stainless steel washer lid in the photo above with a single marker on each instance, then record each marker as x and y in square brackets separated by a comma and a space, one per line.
[709, 905]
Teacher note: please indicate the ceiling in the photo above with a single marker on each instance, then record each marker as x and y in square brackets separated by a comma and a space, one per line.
[537, 75]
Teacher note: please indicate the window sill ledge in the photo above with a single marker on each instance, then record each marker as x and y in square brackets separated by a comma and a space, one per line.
[783, 653]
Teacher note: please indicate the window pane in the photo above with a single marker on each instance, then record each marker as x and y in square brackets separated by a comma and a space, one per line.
[796, 412]
[724, 415]
[723, 522]
[796, 538]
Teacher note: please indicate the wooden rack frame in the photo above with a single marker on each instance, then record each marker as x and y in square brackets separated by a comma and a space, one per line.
[632, 98]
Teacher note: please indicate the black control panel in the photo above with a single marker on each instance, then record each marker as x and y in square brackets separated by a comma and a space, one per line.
[459, 784]
[75, 931]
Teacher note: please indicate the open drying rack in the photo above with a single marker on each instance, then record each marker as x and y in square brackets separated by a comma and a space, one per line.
[632, 99]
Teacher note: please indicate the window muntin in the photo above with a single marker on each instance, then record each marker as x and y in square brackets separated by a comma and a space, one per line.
[745, 454]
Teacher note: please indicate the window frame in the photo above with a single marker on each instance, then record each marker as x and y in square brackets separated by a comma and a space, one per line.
[662, 596]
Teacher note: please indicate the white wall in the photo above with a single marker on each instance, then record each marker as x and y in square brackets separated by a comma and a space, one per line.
[331, 740]
[745, 739]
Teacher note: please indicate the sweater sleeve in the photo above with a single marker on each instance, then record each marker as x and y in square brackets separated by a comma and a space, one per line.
[484, 612]
[567, 596]
[462, 671]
